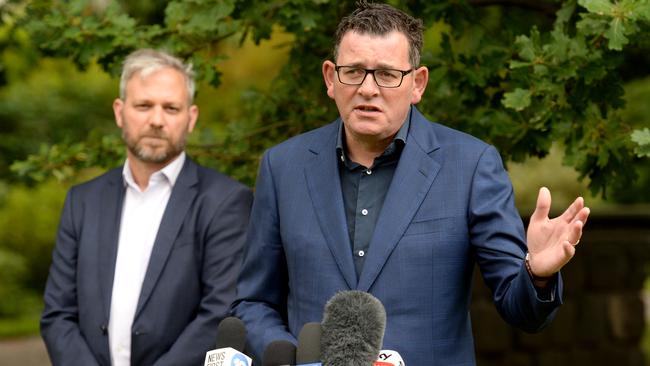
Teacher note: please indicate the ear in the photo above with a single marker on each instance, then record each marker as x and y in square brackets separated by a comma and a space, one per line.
[329, 72]
[194, 115]
[420, 80]
[118, 106]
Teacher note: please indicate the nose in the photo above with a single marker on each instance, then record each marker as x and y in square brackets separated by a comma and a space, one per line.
[369, 86]
[157, 117]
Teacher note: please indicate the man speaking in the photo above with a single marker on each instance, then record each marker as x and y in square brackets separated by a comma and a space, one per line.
[384, 201]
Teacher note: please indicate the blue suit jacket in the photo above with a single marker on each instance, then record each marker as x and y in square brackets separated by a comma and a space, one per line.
[190, 280]
[450, 204]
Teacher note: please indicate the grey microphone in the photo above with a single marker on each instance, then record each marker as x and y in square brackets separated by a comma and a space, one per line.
[352, 329]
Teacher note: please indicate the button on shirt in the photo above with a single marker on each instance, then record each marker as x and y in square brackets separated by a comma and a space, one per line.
[141, 215]
[364, 190]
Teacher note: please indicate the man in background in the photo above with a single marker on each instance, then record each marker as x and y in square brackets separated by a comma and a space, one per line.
[384, 201]
[147, 255]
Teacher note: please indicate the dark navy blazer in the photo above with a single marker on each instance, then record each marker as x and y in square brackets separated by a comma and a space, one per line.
[190, 280]
[450, 205]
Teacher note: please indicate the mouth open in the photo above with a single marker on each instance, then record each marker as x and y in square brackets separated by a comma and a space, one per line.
[367, 108]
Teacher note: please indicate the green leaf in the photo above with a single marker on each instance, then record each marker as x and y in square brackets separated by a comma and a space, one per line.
[600, 7]
[642, 139]
[592, 25]
[519, 64]
[526, 48]
[518, 99]
[565, 13]
[616, 35]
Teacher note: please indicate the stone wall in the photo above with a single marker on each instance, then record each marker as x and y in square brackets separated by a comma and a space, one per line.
[602, 319]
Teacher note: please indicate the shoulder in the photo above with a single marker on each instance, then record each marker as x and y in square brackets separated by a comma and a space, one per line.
[210, 179]
[95, 186]
[439, 137]
[316, 139]
[216, 188]
[451, 136]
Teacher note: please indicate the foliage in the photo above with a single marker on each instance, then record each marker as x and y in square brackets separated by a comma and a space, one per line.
[28, 221]
[521, 75]
[26, 324]
[642, 138]
[15, 297]
[35, 109]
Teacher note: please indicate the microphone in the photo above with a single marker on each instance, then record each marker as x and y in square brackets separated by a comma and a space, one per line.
[231, 332]
[389, 357]
[231, 339]
[309, 338]
[353, 329]
[279, 353]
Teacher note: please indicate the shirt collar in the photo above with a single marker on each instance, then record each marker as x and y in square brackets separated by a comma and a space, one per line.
[170, 172]
[401, 136]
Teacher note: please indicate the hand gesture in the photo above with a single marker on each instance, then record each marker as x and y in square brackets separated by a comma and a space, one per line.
[551, 242]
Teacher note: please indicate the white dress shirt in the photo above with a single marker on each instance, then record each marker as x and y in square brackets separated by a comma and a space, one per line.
[141, 215]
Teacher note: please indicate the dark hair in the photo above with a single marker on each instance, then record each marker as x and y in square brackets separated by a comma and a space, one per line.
[381, 19]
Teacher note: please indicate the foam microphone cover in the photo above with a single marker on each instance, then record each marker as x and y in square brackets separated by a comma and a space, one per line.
[309, 344]
[231, 332]
[353, 329]
[279, 353]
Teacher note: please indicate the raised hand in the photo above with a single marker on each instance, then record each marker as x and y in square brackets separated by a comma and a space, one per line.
[551, 242]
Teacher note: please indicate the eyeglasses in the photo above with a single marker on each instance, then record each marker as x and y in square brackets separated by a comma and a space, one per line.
[385, 78]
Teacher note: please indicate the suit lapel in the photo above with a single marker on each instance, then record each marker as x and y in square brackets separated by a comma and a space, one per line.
[180, 201]
[324, 185]
[110, 214]
[413, 177]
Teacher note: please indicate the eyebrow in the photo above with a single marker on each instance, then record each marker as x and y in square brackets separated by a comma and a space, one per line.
[379, 66]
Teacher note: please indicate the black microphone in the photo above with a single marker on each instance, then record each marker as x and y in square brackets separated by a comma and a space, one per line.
[353, 329]
[309, 338]
[231, 332]
[231, 340]
[279, 353]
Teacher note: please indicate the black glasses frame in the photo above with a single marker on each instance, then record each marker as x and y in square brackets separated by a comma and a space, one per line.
[372, 71]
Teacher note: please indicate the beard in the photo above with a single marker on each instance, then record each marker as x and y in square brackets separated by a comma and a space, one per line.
[162, 151]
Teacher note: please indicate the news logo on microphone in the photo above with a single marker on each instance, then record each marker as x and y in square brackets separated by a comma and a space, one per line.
[231, 339]
[389, 358]
[226, 357]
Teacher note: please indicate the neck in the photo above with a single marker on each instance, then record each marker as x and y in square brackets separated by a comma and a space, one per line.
[142, 170]
[365, 150]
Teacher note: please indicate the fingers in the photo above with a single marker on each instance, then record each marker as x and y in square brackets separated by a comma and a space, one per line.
[575, 232]
[543, 205]
[583, 215]
[575, 229]
[576, 207]
[569, 252]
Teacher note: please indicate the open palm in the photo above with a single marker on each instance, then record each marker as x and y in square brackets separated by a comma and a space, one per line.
[551, 242]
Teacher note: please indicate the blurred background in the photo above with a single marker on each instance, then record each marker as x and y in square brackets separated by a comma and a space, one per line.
[561, 88]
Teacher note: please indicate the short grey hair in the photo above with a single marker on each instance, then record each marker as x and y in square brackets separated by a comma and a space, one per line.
[146, 61]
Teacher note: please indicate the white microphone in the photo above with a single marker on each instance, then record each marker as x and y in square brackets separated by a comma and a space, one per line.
[389, 357]
[231, 339]
[226, 357]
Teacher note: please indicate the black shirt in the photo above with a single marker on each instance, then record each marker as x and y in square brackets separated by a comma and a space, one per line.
[364, 190]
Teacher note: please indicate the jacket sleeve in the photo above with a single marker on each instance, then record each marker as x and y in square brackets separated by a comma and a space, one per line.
[263, 284]
[224, 247]
[60, 319]
[497, 234]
